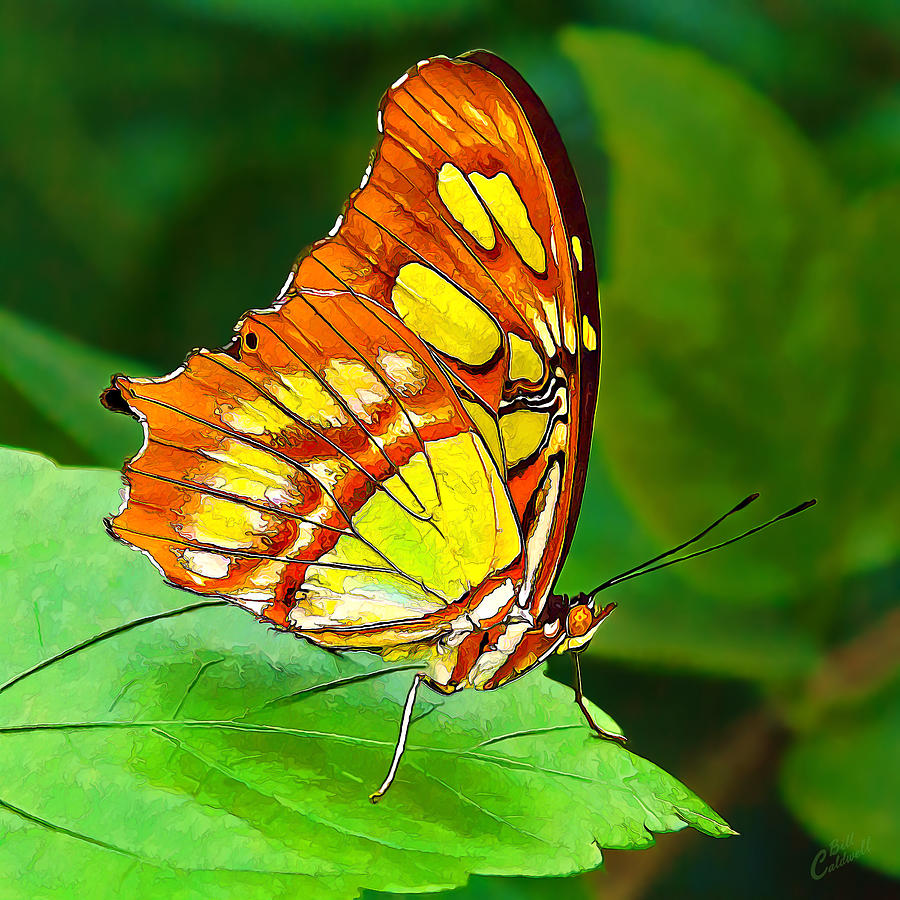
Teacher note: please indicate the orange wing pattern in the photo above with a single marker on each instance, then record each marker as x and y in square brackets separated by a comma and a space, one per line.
[392, 456]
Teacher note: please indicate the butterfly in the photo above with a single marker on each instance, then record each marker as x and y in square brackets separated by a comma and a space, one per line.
[391, 458]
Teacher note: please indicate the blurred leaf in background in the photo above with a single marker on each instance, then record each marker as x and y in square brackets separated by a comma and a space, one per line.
[163, 163]
[56, 380]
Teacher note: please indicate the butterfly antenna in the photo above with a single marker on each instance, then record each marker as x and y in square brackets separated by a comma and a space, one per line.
[649, 566]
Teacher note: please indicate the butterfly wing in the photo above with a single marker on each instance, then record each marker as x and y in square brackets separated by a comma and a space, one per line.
[404, 434]
[472, 158]
[314, 472]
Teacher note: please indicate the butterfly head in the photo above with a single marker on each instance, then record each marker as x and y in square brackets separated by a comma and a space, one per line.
[578, 617]
[582, 620]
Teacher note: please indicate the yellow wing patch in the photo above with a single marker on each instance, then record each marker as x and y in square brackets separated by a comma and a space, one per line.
[255, 417]
[576, 249]
[437, 310]
[405, 373]
[457, 195]
[247, 471]
[524, 361]
[522, 431]
[436, 561]
[489, 431]
[205, 564]
[357, 386]
[569, 333]
[588, 335]
[503, 200]
[223, 523]
[309, 399]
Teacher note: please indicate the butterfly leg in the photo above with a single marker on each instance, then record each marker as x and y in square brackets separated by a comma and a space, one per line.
[579, 699]
[401, 740]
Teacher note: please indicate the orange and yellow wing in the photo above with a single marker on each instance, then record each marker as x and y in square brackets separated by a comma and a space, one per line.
[407, 427]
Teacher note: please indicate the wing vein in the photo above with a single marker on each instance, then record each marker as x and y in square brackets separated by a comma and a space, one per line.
[302, 422]
[373, 306]
[250, 554]
[234, 498]
[377, 375]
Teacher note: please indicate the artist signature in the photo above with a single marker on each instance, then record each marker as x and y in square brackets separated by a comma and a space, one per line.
[838, 854]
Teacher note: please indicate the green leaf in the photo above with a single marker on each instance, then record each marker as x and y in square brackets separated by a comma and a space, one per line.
[480, 888]
[842, 781]
[739, 31]
[204, 748]
[727, 329]
[62, 380]
[871, 510]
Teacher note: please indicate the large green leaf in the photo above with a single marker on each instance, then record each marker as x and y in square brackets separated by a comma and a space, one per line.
[61, 379]
[480, 888]
[728, 335]
[841, 776]
[204, 750]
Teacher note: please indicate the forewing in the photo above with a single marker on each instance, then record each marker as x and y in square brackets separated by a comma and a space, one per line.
[473, 199]
[398, 428]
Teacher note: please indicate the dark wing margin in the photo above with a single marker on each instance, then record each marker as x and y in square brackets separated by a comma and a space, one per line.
[571, 204]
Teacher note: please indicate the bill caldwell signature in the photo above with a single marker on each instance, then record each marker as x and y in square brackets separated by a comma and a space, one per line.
[837, 854]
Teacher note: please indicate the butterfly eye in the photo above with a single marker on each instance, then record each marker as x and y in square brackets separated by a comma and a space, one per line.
[579, 621]
[251, 341]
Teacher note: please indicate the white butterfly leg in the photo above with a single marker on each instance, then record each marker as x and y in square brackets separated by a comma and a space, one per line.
[401, 740]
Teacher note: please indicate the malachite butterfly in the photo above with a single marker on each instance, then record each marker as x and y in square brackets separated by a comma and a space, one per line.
[391, 457]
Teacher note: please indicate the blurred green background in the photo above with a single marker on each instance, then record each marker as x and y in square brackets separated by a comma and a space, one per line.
[163, 162]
